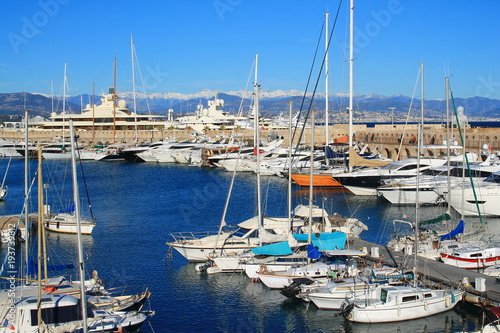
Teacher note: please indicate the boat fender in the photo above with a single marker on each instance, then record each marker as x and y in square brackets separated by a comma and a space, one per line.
[447, 301]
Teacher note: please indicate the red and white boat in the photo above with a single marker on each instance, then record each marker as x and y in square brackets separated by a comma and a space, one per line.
[473, 257]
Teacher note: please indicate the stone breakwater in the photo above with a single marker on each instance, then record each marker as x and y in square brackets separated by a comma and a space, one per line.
[389, 140]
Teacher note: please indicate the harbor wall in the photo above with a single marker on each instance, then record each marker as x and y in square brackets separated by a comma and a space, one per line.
[383, 138]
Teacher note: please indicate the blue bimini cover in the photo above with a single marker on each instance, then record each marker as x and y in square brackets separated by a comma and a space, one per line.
[325, 241]
[275, 249]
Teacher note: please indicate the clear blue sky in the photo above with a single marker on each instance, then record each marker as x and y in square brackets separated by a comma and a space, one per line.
[189, 46]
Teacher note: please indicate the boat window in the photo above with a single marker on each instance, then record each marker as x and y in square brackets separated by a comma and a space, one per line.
[383, 295]
[475, 255]
[427, 295]
[494, 178]
[410, 167]
[54, 315]
[411, 298]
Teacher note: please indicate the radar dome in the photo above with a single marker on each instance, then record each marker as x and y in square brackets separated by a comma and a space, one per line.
[122, 104]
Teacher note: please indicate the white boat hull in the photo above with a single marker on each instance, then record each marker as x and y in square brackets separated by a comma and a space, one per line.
[358, 190]
[67, 223]
[408, 196]
[487, 201]
[380, 312]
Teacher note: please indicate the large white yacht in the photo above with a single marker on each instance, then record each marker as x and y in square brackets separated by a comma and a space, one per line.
[212, 117]
[111, 113]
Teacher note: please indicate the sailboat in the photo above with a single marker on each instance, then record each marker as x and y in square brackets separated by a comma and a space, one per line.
[388, 303]
[65, 221]
[3, 187]
[249, 234]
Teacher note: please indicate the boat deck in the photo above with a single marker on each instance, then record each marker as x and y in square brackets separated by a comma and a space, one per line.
[437, 272]
[7, 222]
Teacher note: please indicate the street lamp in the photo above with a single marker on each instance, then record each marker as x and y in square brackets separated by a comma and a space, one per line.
[392, 114]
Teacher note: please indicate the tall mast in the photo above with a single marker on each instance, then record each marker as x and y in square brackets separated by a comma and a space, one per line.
[76, 199]
[311, 178]
[448, 126]
[42, 242]
[52, 96]
[417, 205]
[26, 185]
[257, 139]
[327, 133]
[39, 252]
[290, 143]
[64, 101]
[351, 60]
[132, 50]
[114, 101]
[93, 113]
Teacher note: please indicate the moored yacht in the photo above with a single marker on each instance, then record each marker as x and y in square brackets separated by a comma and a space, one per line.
[365, 182]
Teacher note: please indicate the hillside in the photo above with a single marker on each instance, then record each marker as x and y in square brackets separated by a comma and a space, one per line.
[271, 104]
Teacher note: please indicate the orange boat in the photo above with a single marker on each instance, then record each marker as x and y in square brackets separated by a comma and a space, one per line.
[320, 180]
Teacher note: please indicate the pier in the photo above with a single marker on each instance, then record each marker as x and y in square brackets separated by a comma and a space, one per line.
[437, 272]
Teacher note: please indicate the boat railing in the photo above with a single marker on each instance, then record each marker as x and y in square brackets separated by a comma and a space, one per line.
[190, 236]
[127, 290]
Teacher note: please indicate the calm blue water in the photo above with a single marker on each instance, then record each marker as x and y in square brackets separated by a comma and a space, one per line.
[137, 206]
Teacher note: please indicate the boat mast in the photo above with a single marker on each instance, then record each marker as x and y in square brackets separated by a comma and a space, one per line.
[311, 178]
[114, 101]
[290, 115]
[76, 199]
[448, 149]
[39, 254]
[52, 96]
[417, 203]
[42, 240]
[26, 186]
[93, 113]
[257, 140]
[327, 133]
[64, 102]
[351, 79]
[132, 50]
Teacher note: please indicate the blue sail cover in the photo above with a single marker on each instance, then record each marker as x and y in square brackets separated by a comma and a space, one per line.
[275, 249]
[329, 153]
[458, 230]
[325, 241]
[70, 209]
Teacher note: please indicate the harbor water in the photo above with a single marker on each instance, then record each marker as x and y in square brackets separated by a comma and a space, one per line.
[137, 206]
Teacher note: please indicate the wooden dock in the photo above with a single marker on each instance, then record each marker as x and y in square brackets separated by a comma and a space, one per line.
[438, 272]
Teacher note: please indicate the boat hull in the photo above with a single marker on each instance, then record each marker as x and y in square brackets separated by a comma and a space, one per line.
[381, 313]
[318, 180]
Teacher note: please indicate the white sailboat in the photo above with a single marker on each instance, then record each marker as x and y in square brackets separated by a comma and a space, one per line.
[66, 220]
[3, 188]
[250, 233]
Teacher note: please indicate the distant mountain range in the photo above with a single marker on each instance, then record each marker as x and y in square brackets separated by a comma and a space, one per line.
[272, 103]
